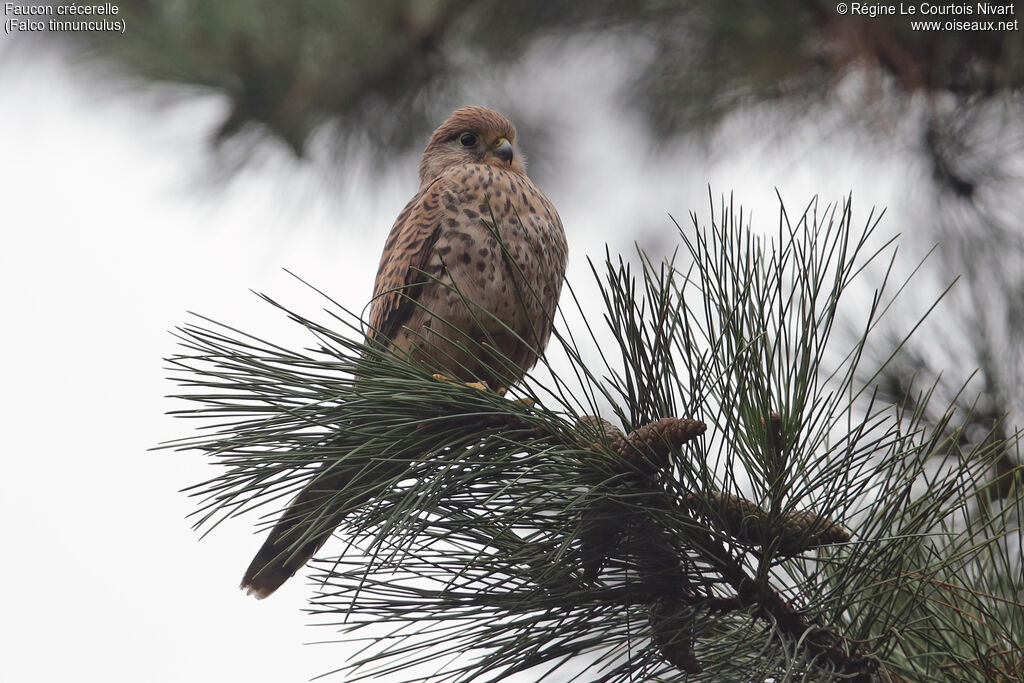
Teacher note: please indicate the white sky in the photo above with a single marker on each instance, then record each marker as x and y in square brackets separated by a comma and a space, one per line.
[105, 246]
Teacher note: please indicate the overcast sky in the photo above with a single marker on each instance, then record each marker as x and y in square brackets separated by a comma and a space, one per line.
[111, 231]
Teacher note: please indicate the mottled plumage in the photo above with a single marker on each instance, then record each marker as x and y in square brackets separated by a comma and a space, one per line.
[467, 286]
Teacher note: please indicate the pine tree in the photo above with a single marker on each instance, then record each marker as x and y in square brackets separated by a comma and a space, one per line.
[707, 490]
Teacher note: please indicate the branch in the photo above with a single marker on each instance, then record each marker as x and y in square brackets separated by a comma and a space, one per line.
[671, 610]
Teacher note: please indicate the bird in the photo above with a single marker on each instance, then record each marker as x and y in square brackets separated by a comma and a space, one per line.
[467, 287]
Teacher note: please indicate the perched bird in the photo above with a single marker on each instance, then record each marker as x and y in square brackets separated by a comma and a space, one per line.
[467, 286]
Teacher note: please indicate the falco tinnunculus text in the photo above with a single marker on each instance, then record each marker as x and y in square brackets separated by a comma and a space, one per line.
[467, 286]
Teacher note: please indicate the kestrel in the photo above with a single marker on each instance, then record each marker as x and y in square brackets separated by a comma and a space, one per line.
[467, 287]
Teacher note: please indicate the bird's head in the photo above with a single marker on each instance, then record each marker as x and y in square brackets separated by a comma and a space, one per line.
[471, 135]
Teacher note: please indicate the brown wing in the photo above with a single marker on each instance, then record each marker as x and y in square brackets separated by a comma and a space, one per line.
[400, 277]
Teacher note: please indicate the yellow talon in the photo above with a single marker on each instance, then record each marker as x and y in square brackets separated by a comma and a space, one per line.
[528, 402]
[448, 380]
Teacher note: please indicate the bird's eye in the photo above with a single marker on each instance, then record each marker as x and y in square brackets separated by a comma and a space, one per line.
[467, 140]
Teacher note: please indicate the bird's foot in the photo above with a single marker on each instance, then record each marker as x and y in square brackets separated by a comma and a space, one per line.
[482, 386]
[528, 402]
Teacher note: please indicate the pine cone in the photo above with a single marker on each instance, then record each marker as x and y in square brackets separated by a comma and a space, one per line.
[673, 634]
[647, 448]
[601, 525]
[803, 529]
[652, 443]
[795, 532]
[608, 433]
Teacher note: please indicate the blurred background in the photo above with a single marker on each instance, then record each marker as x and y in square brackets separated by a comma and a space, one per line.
[174, 166]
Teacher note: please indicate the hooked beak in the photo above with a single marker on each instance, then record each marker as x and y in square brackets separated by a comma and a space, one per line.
[503, 150]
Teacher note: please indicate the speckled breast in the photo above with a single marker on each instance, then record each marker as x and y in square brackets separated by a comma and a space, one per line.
[497, 270]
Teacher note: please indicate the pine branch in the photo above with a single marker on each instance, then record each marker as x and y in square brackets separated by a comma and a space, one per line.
[711, 496]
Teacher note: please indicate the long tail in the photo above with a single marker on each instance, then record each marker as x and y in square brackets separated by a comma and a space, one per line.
[301, 531]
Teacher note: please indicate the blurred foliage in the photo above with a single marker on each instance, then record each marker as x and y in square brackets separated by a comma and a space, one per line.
[377, 67]
[372, 67]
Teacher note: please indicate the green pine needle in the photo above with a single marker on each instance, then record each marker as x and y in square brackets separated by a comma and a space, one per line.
[488, 536]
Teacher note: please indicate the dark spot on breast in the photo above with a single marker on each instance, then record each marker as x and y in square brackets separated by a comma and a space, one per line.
[480, 265]
[443, 251]
[470, 213]
[465, 258]
[485, 252]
